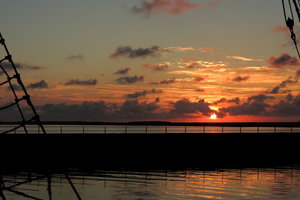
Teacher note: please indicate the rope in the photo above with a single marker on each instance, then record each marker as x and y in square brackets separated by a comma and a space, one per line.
[290, 22]
[26, 96]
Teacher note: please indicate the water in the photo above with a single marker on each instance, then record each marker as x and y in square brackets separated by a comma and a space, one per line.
[117, 129]
[267, 183]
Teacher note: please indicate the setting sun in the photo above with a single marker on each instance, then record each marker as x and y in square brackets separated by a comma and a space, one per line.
[213, 116]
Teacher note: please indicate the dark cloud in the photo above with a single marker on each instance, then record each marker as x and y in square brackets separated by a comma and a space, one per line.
[157, 67]
[127, 51]
[122, 71]
[130, 79]
[15, 87]
[235, 100]
[19, 66]
[81, 82]
[255, 105]
[289, 97]
[199, 90]
[240, 78]
[260, 98]
[38, 85]
[173, 7]
[278, 89]
[164, 82]
[75, 57]
[247, 108]
[194, 65]
[143, 93]
[100, 111]
[199, 78]
[224, 100]
[283, 60]
[184, 106]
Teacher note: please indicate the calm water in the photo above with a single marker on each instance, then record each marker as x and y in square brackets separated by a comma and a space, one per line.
[115, 129]
[268, 183]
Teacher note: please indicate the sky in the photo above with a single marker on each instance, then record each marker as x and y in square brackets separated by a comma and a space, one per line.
[152, 60]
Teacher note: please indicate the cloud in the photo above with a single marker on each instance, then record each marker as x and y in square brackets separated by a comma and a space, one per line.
[211, 50]
[184, 106]
[283, 60]
[255, 105]
[75, 57]
[178, 49]
[235, 100]
[15, 87]
[81, 82]
[143, 93]
[224, 100]
[38, 85]
[127, 51]
[19, 66]
[130, 110]
[123, 71]
[199, 90]
[157, 67]
[164, 82]
[193, 65]
[241, 78]
[173, 7]
[260, 98]
[130, 79]
[283, 84]
[199, 79]
[243, 58]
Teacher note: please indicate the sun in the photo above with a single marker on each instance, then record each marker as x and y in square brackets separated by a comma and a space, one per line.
[213, 116]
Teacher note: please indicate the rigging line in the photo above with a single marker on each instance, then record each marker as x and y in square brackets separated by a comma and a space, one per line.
[291, 9]
[7, 106]
[14, 93]
[290, 24]
[17, 127]
[284, 12]
[297, 9]
[9, 58]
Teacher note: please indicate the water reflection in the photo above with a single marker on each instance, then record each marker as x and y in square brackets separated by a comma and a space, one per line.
[275, 183]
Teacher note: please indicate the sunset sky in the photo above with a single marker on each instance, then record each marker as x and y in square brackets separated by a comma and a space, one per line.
[173, 60]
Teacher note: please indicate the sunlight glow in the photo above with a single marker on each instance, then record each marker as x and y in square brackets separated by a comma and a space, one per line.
[213, 116]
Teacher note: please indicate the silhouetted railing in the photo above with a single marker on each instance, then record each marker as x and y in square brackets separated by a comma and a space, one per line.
[143, 129]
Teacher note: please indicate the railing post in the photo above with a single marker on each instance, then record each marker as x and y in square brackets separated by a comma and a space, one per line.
[166, 130]
[61, 130]
[104, 129]
[275, 129]
[203, 129]
[185, 129]
[125, 129]
[222, 129]
[146, 129]
[83, 129]
[291, 129]
[258, 129]
[240, 130]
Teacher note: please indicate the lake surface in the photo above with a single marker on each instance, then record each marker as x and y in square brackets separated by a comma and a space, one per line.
[266, 183]
[135, 129]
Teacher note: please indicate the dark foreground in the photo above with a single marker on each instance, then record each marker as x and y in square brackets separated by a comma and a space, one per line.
[172, 151]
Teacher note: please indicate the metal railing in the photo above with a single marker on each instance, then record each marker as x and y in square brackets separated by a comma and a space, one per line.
[143, 129]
